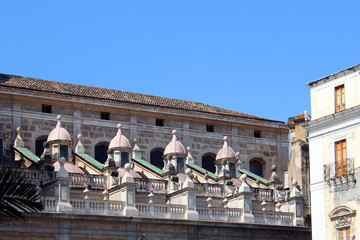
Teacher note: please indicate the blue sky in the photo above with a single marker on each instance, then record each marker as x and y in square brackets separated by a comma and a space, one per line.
[249, 56]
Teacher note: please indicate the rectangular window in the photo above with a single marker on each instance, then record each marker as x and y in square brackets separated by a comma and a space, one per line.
[232, 170]
[64, 152]
[339, 98]
[343, 233]
[180, 165]
[105, 115]
[46, 108]
[209, 128]
[124, 159]
[257, 134]
[340, 158]
[159, 122]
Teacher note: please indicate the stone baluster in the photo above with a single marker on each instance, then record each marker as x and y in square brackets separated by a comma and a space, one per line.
[296, 205]
[151, 202]
[63, 187]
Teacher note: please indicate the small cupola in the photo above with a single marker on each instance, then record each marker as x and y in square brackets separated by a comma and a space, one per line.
[175, 154]
[120, 149]
[60, 142]
[227, 161]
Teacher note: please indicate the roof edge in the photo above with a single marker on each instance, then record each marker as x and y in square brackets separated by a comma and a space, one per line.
[334, 75]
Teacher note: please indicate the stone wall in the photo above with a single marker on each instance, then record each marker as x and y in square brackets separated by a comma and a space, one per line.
[84, 118]
[76, 226]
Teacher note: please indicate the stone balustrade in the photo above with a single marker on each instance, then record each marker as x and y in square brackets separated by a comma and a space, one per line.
[161, 210]
[202, 189]
[261, 194]
[79, 180]
[274, 218]
[86, 206]
[219, 214]
[144, 185]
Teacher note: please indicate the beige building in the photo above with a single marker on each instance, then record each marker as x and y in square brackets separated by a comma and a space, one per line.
[334, 134]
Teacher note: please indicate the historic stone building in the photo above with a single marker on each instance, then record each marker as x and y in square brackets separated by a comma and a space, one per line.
[197, 171]
[334, 155]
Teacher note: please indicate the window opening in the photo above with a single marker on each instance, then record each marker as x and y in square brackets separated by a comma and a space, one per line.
[159, 122]
[208, 160]
[256, 167]
[39, 145]
[257, 134]
[101, 152]
[105, 116]
[340, 158]
[64, 152]
[339, 98]
[156, 157]
[180, 165]
[209, 128]
[46, 108]
[124, 158]
[343, 233]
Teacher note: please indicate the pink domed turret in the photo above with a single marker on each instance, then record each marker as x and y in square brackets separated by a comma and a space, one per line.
[59, 133]
[225, 151]
[119, 141]
[174, 147]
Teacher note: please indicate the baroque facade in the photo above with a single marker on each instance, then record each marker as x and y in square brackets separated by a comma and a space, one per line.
[334, 155]
[168, 159]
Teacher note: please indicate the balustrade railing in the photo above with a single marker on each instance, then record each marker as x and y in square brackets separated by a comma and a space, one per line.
[94, 181]
[161, 210]
[219, 214]
[261, 194]
[274, 218]
[144, 185]
[86, 206]
[216, 190]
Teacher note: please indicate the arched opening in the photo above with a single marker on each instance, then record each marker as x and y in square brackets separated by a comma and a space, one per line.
[156, 157]
[101, 151]
[257, 166]
[208, 160]
[39, 145]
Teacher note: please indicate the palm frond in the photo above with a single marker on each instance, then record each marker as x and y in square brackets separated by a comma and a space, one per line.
[18, 195]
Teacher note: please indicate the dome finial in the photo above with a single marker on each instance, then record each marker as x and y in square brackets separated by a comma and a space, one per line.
[119, 126]
[225, 138]
[58, 117]
[174, 132]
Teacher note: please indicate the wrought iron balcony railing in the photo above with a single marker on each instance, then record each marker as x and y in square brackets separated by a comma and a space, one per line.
[335, 175]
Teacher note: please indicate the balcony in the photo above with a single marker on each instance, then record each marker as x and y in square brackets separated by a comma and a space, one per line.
[340, 179]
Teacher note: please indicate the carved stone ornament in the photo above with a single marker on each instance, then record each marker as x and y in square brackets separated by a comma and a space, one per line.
[342, 215]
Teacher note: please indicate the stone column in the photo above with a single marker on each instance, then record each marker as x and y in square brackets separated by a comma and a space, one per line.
[127, 193]
[296, 205]
[243, 201]
[63, 184]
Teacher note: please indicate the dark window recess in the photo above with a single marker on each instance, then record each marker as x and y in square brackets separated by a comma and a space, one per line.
[39, 146]
[101, 153]
[257, 134]
[124, 159]
[180, 165]
[232, 170]
[1, 147]
[159, 122]
[64, 152]
[105, 115]
[208, 163]
[256, 167]
[209, 128]
[156, 158]
[46, 108]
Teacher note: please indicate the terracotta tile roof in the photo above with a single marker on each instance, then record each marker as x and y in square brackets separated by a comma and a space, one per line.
[53, 87]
